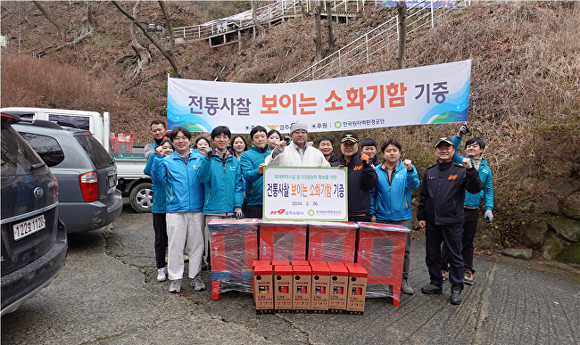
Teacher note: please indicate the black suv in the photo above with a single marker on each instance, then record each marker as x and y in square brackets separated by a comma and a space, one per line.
[34, 242]
[86, 173]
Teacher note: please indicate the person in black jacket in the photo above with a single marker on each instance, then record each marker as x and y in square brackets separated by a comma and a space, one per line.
[441, 212]
[362, 177]
[325, 145]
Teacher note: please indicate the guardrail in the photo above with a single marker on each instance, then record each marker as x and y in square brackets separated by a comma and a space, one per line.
[265, 15]
[422, 14]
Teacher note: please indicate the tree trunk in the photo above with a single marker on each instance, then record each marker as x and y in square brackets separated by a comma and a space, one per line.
[317, 36]
[88, 25]
[143, 55]
[303, 10]
[50, 19]
[261, 30]
[402, 11]
[168, 54]
[329, 24]
[168, 25]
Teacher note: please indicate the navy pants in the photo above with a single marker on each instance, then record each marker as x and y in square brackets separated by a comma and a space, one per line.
[160, 228]
[451, 234]
[469, 227]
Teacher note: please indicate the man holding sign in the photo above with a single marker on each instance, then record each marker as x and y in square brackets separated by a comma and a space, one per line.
[297, 152]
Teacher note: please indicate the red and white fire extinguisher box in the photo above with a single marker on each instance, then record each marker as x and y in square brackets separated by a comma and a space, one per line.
[282, 240]
[332, 241]
[381, 251]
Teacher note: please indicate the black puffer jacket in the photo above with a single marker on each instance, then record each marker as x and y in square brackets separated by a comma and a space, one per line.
[443, 192]
[361, 179]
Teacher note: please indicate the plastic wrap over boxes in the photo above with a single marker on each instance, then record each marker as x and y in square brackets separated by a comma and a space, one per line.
[233, 251]
[381, 251]
[332, 241]
[282, 240]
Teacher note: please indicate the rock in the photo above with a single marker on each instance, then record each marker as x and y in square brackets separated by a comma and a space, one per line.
[570, 254]
[533, 234]
[547, 204]
[552, 247]
[571, 206]
[518, 253]
[485, 236]
[567, 228]
[562, 187]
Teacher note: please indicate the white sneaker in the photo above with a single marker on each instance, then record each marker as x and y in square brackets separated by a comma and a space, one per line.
[175, 286]
[197, 283]
[161, 274]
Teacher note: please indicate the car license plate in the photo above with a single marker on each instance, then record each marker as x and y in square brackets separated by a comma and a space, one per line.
[28, 227]
[112, 182]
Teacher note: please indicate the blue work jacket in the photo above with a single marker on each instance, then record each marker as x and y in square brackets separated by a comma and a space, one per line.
[251, 161]
[223, 186]
[183, 192]
[391, 201]
[472, 200]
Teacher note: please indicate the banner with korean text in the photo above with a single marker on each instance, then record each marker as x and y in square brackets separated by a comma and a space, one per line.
[413, 96]
[301, 193]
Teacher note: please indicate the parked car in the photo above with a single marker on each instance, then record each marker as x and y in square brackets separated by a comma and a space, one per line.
[132, 182]
[34, 242]
[86, 173]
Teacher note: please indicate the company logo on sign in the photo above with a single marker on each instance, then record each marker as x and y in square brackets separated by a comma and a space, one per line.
[280, 211]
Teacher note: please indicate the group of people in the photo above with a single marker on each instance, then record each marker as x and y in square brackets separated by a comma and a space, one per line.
[193, 186]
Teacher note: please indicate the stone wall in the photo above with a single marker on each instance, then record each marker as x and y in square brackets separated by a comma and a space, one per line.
[557, 237]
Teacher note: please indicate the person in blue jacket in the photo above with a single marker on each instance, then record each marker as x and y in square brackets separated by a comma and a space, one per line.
[183, 206]
[391, 198]
[474, 148]
[253, 169]
[158, 211]
[221, 175]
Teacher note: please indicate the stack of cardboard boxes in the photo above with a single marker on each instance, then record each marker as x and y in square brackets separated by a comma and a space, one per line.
[309, 286]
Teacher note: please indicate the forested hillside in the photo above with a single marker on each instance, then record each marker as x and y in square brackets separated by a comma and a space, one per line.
[524, 102]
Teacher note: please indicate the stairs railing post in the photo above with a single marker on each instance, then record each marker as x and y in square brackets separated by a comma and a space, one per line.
[367, 43]
[432, 19]
[339, 65]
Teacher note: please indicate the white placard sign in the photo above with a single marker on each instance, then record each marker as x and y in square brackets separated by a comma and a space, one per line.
[301, 193]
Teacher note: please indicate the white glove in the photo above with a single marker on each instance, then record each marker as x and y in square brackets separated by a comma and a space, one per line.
[488, 216]
[238, 213]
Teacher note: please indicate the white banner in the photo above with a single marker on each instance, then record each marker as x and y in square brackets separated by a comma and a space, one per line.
[298, 193]
[422, 95]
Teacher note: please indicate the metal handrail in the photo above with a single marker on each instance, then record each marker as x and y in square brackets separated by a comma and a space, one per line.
[374, 41]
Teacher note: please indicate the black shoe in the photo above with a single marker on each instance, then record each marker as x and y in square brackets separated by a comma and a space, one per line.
[455, 297]
[432, 289]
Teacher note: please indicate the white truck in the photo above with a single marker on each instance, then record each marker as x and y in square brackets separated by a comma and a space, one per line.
[132, 182]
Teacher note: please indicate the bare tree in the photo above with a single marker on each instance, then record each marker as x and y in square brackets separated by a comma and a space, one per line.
[168, 26]
[88, 25]
[303, 10]
[257, 25]
[50, 19]
[317, 35]
[402, 11]
[142, 54]
[167, 53]
[329, 25]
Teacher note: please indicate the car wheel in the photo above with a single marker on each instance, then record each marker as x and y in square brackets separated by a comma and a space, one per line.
[141, 197]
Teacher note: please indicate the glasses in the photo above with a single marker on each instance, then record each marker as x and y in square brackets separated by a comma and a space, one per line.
[180, 138]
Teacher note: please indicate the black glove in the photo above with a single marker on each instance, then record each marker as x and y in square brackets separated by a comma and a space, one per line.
[464, 129]
[209, 153]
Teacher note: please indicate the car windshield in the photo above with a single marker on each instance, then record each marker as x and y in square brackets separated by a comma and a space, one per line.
[95, 151]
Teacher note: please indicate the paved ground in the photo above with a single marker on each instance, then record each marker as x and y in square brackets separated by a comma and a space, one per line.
[107, 294]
